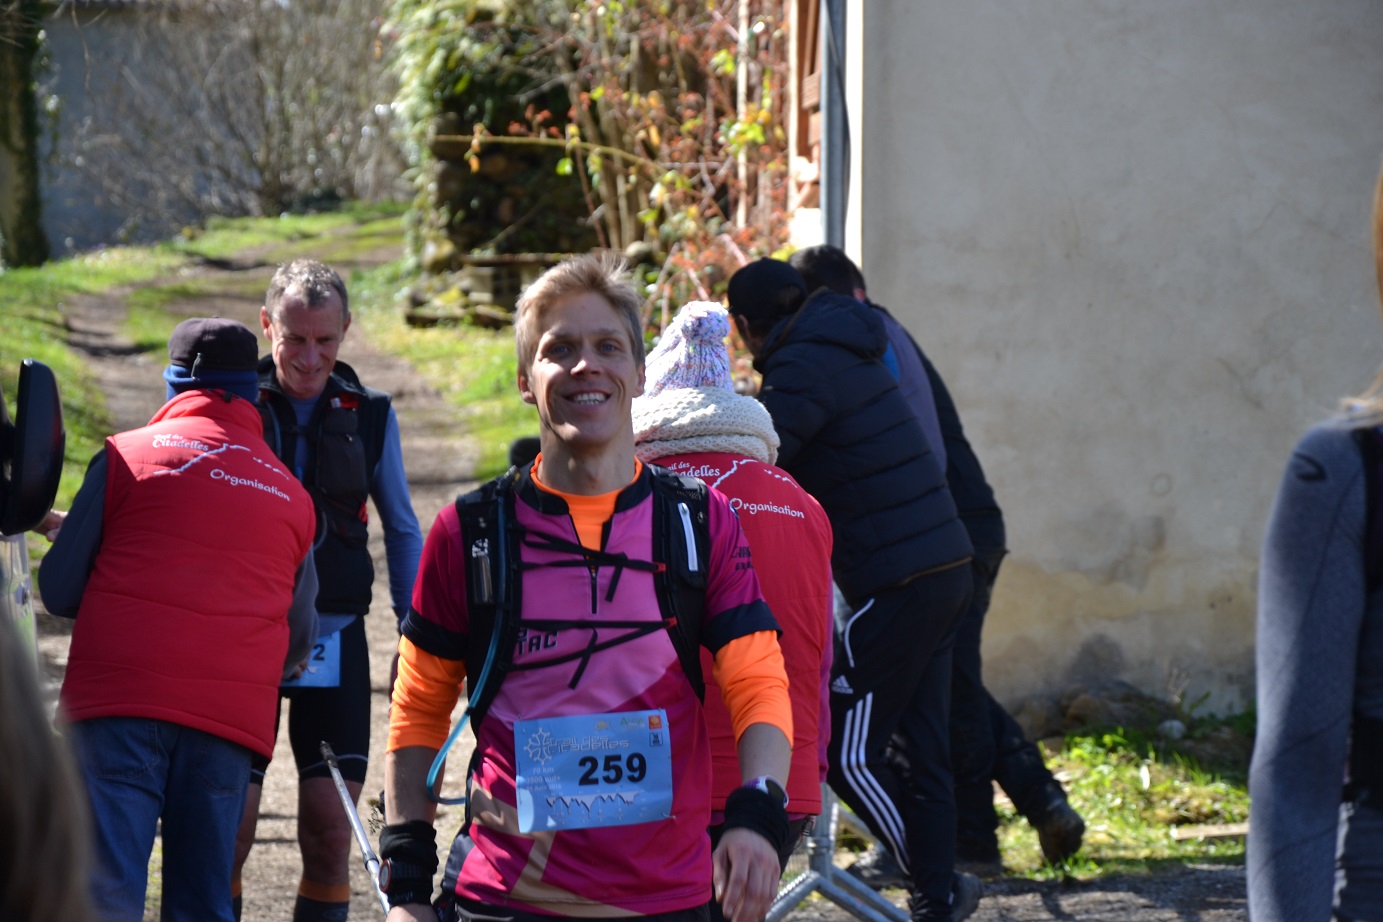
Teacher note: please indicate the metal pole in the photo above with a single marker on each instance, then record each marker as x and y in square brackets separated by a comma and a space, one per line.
[366, 851]
[822, 876]
[741, 107]
[835, 152]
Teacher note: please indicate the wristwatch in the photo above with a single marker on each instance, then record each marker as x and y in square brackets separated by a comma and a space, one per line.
[392, 871]
[769, 786]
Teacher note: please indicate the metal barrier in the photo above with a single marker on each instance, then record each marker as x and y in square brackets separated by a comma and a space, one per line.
[822, 876]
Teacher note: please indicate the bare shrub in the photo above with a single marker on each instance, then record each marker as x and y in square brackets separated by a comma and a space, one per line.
[237, 107]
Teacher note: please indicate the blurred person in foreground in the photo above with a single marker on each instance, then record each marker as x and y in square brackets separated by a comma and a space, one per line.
[185, 562]
[45, 850]
[1315, 846]
[690, 420]
[598, 663]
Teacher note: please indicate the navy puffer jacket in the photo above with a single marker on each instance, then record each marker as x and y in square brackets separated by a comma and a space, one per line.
[851, 440]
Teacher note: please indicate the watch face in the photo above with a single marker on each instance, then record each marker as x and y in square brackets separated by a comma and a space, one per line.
[771, 788]
[386, 872]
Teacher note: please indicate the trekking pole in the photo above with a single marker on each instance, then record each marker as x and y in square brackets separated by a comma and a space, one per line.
[366, 851]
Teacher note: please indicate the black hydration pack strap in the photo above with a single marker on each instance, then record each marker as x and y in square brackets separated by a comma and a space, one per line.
[493, 542]
[682, 541]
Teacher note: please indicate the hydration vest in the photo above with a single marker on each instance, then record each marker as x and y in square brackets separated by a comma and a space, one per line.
[493, 541]
[345, 440]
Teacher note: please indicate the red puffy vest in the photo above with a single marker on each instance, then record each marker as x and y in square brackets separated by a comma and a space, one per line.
[791, 540]
[184, 617]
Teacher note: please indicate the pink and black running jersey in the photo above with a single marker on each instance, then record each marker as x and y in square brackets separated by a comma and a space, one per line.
[596, 671]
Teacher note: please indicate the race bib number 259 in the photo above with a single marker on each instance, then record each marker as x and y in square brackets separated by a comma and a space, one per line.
[591, 770]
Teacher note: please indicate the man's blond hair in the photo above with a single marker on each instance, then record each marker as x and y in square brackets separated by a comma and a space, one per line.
[602, 273]
[1367, 408]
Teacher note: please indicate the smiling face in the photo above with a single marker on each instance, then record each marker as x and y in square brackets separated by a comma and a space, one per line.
[583, 379]
[304, 341]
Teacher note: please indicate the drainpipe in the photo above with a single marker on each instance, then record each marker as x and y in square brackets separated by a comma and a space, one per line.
[835, 128]
[742, 104]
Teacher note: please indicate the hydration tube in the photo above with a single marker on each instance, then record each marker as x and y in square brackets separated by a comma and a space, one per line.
[498, 628]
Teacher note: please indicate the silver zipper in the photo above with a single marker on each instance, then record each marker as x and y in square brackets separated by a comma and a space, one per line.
[692, 564]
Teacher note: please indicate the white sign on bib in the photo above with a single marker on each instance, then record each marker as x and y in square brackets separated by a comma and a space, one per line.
[592, 770]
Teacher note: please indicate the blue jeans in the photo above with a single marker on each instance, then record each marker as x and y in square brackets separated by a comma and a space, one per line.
[138, 770]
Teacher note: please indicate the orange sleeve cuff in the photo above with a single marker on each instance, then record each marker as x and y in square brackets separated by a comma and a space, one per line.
[425, 694]
[753, 683]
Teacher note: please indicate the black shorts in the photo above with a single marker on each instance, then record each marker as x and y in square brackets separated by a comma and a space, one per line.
[340, 716]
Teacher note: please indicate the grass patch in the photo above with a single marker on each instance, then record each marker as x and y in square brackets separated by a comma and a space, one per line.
[1133, 789]
[151, 316]
[35, 328]
[148, 323]
[473, 368]
[329, 236]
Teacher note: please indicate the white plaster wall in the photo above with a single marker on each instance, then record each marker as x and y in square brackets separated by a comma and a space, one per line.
[1133, 237]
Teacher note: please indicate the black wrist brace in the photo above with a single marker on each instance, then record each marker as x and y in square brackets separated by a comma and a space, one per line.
[413, 843]
[748, 808]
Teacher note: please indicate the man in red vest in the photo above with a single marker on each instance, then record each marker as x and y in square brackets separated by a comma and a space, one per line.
[185, 562]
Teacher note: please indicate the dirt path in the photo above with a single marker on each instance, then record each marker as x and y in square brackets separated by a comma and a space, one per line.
[440, 462]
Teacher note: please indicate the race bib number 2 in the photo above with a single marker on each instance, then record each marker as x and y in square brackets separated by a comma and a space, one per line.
[323, 665]
[593, 770]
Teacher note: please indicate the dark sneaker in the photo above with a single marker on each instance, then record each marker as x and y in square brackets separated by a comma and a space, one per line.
[979, 856]
[878, 869]
[985, 870]
[1059, 831]
[965, 896]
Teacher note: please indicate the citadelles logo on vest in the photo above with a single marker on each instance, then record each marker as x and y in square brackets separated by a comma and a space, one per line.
[173, 440]
[703, 471]
[217, 473]
[742, 506]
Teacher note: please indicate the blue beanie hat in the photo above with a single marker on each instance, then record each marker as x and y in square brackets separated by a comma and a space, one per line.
[213, 353]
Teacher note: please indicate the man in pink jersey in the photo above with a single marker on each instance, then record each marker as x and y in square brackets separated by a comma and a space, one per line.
[691, 421]
[590, 791]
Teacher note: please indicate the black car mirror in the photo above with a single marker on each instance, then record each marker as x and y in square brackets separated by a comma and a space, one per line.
[31, 450]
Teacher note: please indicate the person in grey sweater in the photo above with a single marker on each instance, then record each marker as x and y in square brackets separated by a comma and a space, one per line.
[1315, 847]
[1320, 687]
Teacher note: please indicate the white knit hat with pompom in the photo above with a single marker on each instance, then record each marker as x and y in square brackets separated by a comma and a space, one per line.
[689, 402]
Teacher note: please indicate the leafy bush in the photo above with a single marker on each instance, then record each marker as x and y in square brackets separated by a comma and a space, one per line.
[666, 115]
